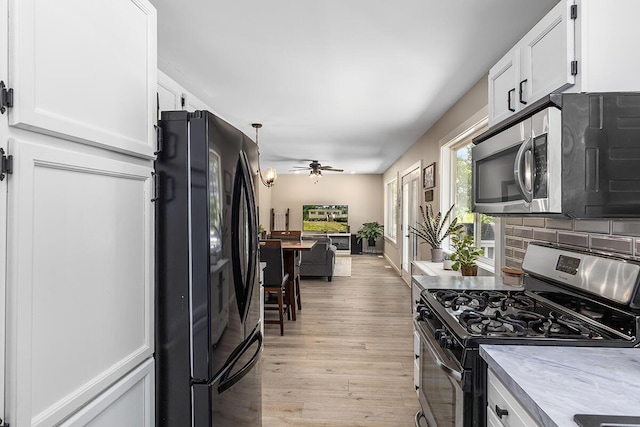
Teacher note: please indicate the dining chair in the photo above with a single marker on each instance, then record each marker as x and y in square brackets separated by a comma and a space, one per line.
[297, 236]
[275, 280]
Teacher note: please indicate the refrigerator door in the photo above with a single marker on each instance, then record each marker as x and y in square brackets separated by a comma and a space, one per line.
[244, 236]
[234, 397]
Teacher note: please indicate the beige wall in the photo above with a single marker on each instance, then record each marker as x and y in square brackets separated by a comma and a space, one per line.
[464, 113]
[363, 194]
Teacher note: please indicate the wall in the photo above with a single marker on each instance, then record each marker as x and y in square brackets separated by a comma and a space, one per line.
[464, 113]
[363, 194]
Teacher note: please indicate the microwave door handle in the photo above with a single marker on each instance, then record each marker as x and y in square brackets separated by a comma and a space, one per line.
[522, 177]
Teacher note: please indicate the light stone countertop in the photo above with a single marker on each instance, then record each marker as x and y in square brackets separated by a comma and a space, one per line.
[482, 283]
[555, 383]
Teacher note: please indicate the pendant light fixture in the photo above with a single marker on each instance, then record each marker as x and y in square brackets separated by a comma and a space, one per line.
[270, 174]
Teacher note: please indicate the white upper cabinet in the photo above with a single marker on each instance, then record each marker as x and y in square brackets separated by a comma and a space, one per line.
[172, 96]
[579, 46]
[538, 65]
[546, 53]
[85, 71]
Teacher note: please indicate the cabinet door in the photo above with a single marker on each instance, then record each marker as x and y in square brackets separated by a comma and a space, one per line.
[129, 402]
[85, 71]
[546, 53]
[502, 88]
[80, 282]
[170, 94]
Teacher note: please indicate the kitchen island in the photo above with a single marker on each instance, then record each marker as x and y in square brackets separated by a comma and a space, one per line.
[555, 383]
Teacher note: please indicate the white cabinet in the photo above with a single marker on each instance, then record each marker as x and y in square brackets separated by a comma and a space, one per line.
[172, 96]
[85, 71]
[579, 46]
[503, 408]
[80, 282]
[79, 217]
[129, 402]
[539, 64]
[416, 361]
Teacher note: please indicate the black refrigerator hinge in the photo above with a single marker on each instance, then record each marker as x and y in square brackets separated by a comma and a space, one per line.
[6, 99]
[6, 168]
[574, 11]
[574, 68]
[3, 424]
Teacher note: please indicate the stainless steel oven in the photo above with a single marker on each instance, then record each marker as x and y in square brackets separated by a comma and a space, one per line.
[570, 298]
[567, 155]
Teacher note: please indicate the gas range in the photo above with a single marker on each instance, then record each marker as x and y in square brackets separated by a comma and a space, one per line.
[570, 298]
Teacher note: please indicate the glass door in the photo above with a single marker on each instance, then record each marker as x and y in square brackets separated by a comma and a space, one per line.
[410, 203]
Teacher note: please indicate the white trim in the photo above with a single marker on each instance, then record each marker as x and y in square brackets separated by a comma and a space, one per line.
[387, 221]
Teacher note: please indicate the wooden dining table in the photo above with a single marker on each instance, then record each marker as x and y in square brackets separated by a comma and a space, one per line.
[291, 251]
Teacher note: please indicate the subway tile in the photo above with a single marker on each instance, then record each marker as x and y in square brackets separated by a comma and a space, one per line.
[523, 232]
[592, 226]
[626, 227]
[533, 222]
[518, 254]
[559, 224]
[511, 220]
[573, 239]
[508, 231]
[514, 243]
[623, 245]
[508, 252]
[545, 235]
[513, 263]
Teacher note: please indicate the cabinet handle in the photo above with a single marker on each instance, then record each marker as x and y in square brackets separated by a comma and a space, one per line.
[509, 99]
[501, 412]
[522, 101]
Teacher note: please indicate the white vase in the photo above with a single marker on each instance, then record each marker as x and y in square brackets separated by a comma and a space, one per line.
[446, 264]
[436, 255]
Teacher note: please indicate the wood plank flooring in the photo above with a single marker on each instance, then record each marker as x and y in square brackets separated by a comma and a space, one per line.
[348, 359]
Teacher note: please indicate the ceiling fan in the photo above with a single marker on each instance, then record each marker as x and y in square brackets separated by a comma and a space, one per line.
[316, 168]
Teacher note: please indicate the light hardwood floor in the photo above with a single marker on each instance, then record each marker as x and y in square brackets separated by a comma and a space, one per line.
[348, 359]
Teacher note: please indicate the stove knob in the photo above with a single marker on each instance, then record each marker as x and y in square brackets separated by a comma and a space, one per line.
[438, 334]
[425, 313]
[446, 342]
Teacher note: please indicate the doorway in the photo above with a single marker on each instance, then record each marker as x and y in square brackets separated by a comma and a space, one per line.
[411, 185]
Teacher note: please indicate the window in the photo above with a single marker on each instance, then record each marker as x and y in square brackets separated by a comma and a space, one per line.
[457, 189]
[391, 209]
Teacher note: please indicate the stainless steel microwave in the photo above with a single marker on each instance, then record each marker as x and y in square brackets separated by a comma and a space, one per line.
[567, 155]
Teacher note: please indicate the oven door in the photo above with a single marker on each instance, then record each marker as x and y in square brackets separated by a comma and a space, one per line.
[440, 385]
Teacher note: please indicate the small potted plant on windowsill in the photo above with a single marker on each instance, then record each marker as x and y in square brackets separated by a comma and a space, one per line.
[465, 254]
[433, 230]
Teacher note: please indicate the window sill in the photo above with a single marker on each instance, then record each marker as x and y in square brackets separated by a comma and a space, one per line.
[428, 268]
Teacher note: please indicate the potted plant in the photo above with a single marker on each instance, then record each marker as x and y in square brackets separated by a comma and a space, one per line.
[371, 231]
[434, 229]
[465, 254]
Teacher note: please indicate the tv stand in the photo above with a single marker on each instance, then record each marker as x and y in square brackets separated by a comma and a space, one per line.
[342, 241]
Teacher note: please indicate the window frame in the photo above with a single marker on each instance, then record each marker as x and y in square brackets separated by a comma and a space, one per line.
[448, 150]
[391, 209]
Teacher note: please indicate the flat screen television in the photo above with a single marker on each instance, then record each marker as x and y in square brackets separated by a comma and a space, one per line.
[325, 218]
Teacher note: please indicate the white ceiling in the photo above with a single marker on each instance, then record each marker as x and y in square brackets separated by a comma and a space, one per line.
[350, 83]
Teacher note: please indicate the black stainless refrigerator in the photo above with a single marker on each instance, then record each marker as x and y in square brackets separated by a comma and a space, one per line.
[208, 332]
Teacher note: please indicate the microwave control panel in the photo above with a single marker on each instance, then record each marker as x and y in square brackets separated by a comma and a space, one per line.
[540, 167]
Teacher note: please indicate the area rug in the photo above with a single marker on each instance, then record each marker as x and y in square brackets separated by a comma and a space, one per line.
[343, 266]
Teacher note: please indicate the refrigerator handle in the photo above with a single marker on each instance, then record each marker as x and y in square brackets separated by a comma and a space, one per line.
[227, 381]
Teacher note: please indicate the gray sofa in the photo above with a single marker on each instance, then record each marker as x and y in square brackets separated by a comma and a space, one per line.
[320, 260]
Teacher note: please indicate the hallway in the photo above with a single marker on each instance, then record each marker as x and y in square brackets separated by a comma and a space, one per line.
[348, 360]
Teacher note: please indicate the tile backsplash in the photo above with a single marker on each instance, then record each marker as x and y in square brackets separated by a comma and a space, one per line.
[621, 237]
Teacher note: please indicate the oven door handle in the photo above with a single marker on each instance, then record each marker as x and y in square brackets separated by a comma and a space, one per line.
[439, 356]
